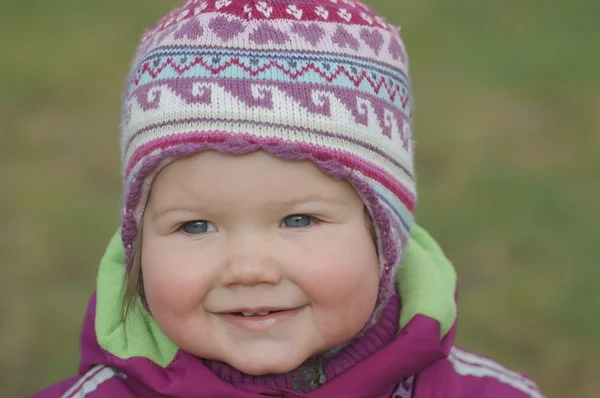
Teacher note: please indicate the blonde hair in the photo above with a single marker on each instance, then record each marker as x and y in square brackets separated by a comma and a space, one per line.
[134, 281]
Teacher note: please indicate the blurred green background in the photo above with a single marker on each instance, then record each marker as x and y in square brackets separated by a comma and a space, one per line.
[508, 132]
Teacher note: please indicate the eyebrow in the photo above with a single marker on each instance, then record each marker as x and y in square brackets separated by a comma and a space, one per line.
[312, 198]
[174, 209]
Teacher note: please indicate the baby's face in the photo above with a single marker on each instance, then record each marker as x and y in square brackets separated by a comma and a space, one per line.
[228, 236]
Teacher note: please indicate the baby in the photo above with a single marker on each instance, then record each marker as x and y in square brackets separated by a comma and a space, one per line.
[268, 244]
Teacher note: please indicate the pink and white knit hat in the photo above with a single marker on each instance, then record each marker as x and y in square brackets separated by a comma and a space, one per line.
[325, 80]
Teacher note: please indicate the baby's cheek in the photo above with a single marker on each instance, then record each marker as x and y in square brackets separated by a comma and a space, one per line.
[358, 269]
[172, 285]
[351, 289]
[355, 288]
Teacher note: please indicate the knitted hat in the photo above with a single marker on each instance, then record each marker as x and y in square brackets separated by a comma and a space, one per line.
[324, 80]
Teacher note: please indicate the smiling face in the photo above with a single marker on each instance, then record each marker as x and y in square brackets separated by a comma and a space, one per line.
[226, 237]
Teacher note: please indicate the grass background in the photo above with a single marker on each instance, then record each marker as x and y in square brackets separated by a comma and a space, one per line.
[508, 131]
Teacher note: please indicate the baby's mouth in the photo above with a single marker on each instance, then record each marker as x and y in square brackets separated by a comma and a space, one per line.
[260, 320]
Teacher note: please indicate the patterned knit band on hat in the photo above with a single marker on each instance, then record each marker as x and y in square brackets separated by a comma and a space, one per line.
[324, 80]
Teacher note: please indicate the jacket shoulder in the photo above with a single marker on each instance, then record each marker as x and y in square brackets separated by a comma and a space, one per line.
[485, 378]
[469, 375]
[99, 382]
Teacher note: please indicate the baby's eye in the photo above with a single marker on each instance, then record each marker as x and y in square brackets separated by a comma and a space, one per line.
[197, 227]
[299, 221]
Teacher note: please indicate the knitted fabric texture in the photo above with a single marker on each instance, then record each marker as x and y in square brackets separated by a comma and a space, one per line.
[324, 80]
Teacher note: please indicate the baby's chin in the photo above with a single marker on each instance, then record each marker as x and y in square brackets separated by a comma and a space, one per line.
[262, 369]
[267, 362]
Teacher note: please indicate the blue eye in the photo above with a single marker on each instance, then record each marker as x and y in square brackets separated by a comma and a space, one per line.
[299, 221]
[197, 227]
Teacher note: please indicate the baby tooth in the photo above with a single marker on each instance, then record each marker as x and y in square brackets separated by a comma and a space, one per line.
[255, 313]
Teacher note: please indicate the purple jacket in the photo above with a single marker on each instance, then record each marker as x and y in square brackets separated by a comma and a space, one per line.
[421, 362]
